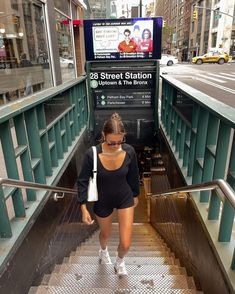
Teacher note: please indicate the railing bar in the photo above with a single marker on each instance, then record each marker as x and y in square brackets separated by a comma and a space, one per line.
[221, 184]
[35, 186]
[224, 187]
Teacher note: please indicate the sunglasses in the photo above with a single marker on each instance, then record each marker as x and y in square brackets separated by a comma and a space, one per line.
[114, 143]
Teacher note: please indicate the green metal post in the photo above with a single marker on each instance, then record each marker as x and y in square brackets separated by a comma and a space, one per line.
[11, 166]
[53, 149]
[182, 139]
[5, 226]
[207, 174]
[25, 156]
[58, 140]
[214, 206]
[68, 129]
[209, 162]
[226, 223]
[63, 134]
[46, 154]
[35, 144]
[75, 110]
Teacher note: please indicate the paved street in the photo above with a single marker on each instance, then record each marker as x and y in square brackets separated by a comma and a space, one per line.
[217, 81]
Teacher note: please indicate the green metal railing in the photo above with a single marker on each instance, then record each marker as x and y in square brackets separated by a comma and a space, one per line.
[39, 135]
[200, 133]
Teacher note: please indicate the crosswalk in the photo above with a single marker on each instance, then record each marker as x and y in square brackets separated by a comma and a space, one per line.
[216, 80]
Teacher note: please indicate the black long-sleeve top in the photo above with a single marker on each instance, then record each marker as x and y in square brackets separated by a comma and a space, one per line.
[87, 166]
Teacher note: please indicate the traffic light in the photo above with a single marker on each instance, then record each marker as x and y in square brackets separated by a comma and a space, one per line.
[195, 14]
[164, 24]
[15, 19]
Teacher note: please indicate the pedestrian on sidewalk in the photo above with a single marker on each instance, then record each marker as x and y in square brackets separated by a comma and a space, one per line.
[118, 188]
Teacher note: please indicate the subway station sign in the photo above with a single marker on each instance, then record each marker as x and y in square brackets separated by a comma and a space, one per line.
[122, 89]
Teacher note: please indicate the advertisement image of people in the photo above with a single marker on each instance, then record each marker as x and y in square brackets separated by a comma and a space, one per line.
[128, 44]
[123, 38]
[146, 44]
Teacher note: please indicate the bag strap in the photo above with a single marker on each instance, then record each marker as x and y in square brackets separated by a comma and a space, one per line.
[94, 161]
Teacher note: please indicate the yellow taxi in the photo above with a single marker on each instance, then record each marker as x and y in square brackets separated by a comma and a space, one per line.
[211, 57]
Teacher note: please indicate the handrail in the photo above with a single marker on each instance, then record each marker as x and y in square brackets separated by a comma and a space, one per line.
[34, 186]
[220, 184]
[226, 189]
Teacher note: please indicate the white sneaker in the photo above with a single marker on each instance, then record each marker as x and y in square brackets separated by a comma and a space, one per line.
[120, 268]
[104, 257]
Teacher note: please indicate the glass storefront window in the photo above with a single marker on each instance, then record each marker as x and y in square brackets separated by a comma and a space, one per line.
[63, 6]
[64, 36]
[24, 62]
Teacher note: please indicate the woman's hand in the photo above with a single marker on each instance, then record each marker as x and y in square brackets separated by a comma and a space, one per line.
[136, 201]
[86, 217]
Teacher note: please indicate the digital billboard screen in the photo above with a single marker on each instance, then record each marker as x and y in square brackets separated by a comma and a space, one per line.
[118, 39]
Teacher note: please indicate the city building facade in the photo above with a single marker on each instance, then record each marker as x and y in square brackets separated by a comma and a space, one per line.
[195, 27]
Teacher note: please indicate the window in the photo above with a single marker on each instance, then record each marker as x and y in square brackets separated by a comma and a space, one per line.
[24, 61]
[63, 6]
[64, 36]
[214, 39]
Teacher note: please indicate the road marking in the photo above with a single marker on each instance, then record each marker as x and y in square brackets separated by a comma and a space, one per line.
[226, 74]
[215, 75]
[215, 85]
[214, 79]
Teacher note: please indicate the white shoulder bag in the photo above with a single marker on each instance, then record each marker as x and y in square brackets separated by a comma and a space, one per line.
[92, 192]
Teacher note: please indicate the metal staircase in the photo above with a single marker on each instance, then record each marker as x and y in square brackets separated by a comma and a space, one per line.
[152, 268]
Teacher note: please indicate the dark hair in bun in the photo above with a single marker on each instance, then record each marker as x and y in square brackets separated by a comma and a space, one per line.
[114, 125]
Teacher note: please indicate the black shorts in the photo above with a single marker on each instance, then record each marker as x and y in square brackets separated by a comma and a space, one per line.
[104, 209]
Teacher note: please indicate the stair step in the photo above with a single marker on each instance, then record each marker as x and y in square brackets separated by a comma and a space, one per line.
[75, 290]
[158, 253]
[96, 247]
[128, 260]
[114, 282]
[134, 239]
[131, 253]
[133, 243]
[133, 269]
[143, 230]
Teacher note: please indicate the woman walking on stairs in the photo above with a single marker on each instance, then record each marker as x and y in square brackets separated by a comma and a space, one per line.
[118, 188]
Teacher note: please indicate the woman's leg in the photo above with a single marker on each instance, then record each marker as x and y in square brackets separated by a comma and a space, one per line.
[125, 219]
[105, 224]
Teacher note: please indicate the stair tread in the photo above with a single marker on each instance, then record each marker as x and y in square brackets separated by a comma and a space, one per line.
[114, 282]
[108, 269]
[162, 252]
[128, 260]
[133, 247]
[74, 290]
[133, 243]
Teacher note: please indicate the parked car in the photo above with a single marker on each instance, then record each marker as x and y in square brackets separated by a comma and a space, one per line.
[211, 57]
[66, 62]
[168, 60]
